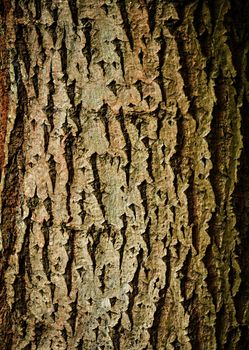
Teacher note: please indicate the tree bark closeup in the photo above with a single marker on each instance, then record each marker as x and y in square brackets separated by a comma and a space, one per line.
[124, 156]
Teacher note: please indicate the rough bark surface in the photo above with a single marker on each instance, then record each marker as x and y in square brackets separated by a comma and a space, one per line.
[124, 159]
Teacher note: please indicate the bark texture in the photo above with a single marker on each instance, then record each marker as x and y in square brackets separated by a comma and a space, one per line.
[125, 174]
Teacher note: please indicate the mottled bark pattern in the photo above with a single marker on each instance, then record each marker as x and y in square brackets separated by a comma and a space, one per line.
[124, 190]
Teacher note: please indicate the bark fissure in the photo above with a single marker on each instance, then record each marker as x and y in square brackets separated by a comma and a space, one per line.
[135, 287]
[96, 182]
[126, 22]
[154, 331]
[69, 144]
[127, 145]
[50, 108]
[87, 51]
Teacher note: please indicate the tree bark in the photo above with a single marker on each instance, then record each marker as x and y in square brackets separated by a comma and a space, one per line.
[124, 174]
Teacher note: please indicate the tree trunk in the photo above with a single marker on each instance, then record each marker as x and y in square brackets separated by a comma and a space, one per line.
[125, 174]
